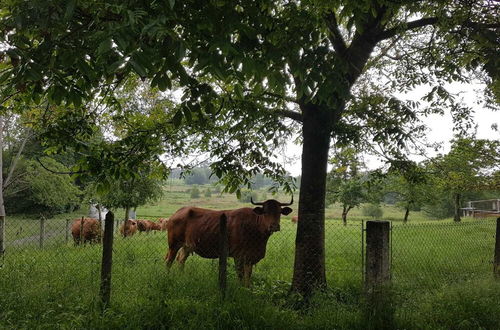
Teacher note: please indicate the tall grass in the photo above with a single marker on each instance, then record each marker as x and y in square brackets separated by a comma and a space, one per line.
[441, 280]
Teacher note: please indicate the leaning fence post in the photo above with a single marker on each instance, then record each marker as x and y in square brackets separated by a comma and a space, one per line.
[67, 230]
[42, 230]
[378, 273]
[223, 244]
[496, 260]
[107, 260]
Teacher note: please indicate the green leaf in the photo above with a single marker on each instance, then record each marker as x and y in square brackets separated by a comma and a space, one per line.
[141, 71]
[104, 46]
[177, 118]
[171, 3]
[70, 9]
[180, 52]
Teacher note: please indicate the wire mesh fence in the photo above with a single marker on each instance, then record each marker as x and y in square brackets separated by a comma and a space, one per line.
[427, 255]
[424, 255]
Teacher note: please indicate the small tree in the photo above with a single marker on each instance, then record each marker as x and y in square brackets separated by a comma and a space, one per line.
[469, 166]
[344, 182]
[195, 192]
[133, 193]
[208, 193]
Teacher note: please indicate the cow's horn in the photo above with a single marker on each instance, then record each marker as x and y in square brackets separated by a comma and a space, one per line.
[251, 200]
[286, 204]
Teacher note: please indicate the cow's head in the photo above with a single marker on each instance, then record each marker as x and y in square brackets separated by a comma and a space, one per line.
[272, 210]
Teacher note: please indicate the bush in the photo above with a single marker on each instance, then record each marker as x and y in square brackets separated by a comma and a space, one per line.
[246, 196]
[195, 193]
[372, 210]
[208, 193]
[44, 191]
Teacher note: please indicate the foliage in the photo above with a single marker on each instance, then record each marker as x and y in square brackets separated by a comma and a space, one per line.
[372, 210]
[43, 191]
[251, 74]
[133, 193]
[208, 193]
[247, 195]
[468, 167]
[195, 192]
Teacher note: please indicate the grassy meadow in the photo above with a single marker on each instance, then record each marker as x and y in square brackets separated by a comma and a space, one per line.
[442, 277]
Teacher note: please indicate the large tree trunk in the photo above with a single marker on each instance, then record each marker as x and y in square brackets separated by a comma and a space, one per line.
[309, 267]
[457, 218]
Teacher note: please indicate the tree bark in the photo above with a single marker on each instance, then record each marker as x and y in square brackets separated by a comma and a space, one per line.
[407, 212]
[127, 211]
[457, 218]
[344, 215]
[309, 266]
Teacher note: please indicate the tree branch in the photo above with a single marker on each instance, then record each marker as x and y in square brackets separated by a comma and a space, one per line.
[406, 27]
[297, 116]
[58, 172]
[335, 36]
[16, 159]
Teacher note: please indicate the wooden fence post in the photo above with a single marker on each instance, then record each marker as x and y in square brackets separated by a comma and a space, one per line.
[496, 260]
[81, 230]
[67, 231]
[223, 245]
[107, 260]
[42, 231]
[378, 311]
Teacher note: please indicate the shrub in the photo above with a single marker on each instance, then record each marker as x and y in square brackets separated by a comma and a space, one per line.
[372, 210]
[246, 195]
[195, 193]
[208, 193]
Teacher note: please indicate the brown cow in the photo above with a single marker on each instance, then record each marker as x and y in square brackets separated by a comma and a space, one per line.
[163, 224]
[129, 228]
[197, 230]
[295, 219]
[147, 225]
[91, 231]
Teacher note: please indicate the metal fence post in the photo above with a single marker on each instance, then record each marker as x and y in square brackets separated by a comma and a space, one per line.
[223, 244]
[107, 260]
[496, 260]
[42, 231]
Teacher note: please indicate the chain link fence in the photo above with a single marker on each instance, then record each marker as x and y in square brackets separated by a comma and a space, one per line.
[423, 255]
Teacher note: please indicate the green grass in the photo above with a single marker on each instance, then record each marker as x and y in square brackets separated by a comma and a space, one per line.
[441, 279]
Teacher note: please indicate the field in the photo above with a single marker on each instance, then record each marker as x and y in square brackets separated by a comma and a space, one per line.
[441, 272]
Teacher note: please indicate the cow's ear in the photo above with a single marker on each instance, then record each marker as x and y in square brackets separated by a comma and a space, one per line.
[258, 210]
[286, 210]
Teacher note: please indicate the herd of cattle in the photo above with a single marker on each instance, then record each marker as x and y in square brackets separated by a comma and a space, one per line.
[197, 230]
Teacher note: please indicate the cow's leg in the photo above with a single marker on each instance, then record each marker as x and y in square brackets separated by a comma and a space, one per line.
[182, 256]
[172, 252]
[247, 273]
[238, 263]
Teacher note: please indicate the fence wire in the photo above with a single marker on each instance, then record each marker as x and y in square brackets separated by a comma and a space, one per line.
[423, 255]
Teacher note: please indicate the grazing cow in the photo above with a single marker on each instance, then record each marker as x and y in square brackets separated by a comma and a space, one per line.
[147, 225]
[129, 228]
[91, 230]
[193, 229]
[163, 224]
[295, 219]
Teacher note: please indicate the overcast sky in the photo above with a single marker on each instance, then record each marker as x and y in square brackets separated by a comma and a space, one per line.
[440, 127]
